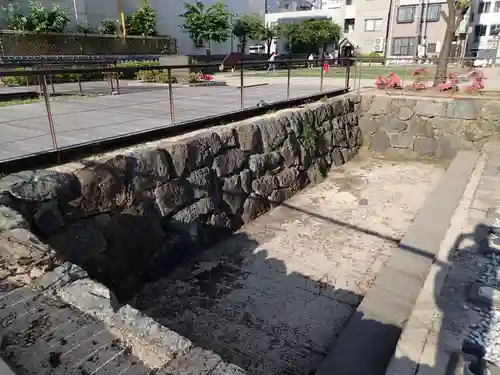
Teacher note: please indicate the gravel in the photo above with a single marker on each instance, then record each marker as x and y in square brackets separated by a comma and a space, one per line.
[486, 332]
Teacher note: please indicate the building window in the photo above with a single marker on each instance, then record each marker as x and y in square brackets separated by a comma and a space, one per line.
[433, 12]
[496, 8]
[484, 7]
[479, 31]
[349, 25]
[406, 14]
[403, 46]
[431, 48]
[348, 2]
[374, 24]
[494, 29]
[199, 43]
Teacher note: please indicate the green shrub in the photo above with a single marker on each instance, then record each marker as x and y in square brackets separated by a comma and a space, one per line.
[372, 57]
[316, 174]
[85, 28]
[193, 78]
[142, 21]
[38, 19]
[307, 137]
[109, 27]
[154, 76]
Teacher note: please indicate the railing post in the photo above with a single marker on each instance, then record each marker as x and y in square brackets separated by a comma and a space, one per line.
[322, 73]
[46, 98]
[52, 84]
[347, 72]
[79, 83]
[242, 91]
[171, 96]
[117, 80]
[288, 73]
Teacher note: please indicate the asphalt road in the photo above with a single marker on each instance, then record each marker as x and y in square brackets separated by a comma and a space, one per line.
[24, 129]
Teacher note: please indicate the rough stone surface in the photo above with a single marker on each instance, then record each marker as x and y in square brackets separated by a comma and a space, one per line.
[11, 219]
[428, 126]
[129, 218]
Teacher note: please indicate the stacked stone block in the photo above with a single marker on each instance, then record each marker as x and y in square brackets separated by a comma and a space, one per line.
[131, 218]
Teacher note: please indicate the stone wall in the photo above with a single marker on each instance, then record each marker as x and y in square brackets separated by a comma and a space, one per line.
[130, 217]
[435, 127]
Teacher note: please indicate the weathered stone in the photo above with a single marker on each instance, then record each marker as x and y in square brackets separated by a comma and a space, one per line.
[48, 217]
[253, 207]
[279, 196]
[430, 108]
[337, 157]
[204, 147]
[484, 295]
[179, 152]
[249, 137]
[191, 213]
[404, 113]
[306, 156]
[229, 163]
[420, 127]
[461, 109]
[379, 105]
[380, 142]
[273, 133]
[287, 177]
[368, 124]
[327, 141]
[173, 195]
[425, 146]
[260, 163]
[347, 154]
[103, 185]
[61, 276]
[448, 146]
[150, 169]
[202, 183]
[220, 220]
[401, 140]
[233, 194]
[44, 185]
[395, 126]
[476, 130]
[265, 185]
[490, 110]
[290, 151]
[340, 137]
[327, 125]
[228, 138]
[444, 126]
[11, 219]
[80, 241]
[246, 180]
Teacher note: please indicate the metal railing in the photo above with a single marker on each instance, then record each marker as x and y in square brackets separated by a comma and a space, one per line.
[72, 107]
[412, 71]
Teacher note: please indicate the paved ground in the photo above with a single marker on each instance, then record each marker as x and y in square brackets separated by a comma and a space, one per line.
[24, 128]
[276, 295]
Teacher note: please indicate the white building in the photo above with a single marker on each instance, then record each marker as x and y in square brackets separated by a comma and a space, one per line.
[485, 19]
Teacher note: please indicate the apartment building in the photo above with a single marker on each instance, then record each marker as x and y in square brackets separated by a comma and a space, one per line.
[485, 25]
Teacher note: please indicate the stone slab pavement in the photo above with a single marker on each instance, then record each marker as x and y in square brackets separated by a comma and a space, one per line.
[24, 129]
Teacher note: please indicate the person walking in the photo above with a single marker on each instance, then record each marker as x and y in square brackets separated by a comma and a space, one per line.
[271, 62]
[310, 61]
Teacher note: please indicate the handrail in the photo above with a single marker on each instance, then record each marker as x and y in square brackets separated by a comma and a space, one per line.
[38, 72]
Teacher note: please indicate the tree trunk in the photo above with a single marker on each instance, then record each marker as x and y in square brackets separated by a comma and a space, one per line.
[243, 43]
[444, 55]
[269, 42]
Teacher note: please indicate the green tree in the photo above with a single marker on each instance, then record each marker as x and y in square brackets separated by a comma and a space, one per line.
[267, 34]
[247, 27]
[457, 9]
[291, 32]
[142, 21]
[207, 24]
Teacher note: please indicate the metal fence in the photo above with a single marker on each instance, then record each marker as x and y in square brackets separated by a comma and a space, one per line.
[71, 107]
[14, 43]
[414, 73]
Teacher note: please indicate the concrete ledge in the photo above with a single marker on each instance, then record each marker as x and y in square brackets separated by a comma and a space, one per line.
[368, 341]
[4, 369]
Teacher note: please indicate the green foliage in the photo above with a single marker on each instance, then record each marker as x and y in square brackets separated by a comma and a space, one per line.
[85, 28]
[193, 78]
[206, 24]
[38, 19]
[267, 34]
[142, 21]
[247, 27]
[316, 174]
[307, 136]
[372, 57]
[154, 76]
[136, 64]
[310, 34]
[109, 26]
